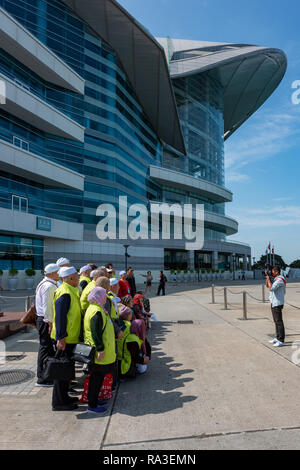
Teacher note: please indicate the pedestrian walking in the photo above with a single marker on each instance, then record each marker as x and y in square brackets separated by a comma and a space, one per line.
[148, 281]
[162, 283]
[131, 281]
[277, 295]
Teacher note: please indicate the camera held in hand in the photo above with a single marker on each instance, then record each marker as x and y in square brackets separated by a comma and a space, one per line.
[268, 272]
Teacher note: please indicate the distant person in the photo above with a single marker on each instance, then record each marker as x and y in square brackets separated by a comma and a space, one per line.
[110, 270]
[162, 283]
[148, 281]
[131, 280]
[124, 288]
[277, 294]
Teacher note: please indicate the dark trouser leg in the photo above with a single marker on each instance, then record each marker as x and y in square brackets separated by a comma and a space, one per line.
[98, 372]
[115, 375]
[46, 346]
[159, 289]
[279, 325]
[60, 394]
[163, 289]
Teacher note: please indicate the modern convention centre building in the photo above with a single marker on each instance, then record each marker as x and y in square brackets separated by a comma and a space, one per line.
[93, 107]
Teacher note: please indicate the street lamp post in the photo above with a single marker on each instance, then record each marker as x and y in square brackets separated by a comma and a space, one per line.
[233, 263]
[253, 267]
[126, 255]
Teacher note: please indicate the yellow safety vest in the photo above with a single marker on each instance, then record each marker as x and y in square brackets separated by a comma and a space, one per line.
[123, 354]
[85, 293]
[84, 278]
[114, 312]
[108, 334]
[73, 316]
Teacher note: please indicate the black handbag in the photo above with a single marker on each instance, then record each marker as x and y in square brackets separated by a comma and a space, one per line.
[83, 353]
[59, 367]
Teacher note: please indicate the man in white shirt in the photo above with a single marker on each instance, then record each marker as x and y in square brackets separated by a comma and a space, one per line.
[44, 309]
[277, 293]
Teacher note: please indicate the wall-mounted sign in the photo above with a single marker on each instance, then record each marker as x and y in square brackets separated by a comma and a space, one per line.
[43, 224]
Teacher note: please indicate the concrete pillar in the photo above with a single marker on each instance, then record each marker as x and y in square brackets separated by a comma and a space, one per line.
[191, 260]
[245, 263]
[215, 256]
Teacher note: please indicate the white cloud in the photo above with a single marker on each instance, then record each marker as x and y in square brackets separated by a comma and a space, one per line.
[270, 216]
[265, 137]
[235, 176]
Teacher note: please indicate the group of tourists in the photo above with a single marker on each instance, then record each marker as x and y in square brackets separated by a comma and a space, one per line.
[95, 308]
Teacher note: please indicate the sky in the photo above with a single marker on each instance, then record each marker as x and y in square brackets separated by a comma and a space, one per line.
[262, 165]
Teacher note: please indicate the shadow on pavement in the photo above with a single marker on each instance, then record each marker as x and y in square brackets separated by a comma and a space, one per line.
[154, 392]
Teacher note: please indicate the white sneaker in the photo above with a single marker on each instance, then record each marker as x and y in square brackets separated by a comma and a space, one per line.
[278, 344]
[273, 341]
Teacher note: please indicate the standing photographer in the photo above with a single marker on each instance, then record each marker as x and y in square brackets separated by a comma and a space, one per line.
[277, 293]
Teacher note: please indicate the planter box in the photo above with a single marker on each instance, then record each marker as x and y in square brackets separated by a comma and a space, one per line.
[29, 281]
[13, 283]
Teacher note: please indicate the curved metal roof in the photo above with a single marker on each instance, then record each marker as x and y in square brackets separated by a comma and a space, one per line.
[143, 60]
[249, 74]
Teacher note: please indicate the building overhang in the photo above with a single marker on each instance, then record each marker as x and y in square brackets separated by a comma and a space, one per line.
[27, 224]
[221, 222]
[27, 49]
[23, 104]
[143, 61]
[29, 165]
[248, 74]
[186, 182]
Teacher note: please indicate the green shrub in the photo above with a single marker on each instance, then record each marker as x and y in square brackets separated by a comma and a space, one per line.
[185, 271]
[203, 271]
[191, 271]
[1, 272]
[30, 272]
[13, 272]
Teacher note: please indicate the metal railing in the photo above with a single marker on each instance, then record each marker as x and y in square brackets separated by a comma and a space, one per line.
[245, 295]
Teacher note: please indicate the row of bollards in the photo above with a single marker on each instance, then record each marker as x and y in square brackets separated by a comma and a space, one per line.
[245, 317]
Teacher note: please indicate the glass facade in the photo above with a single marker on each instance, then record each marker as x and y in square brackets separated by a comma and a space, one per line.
[119, 141]
[200, 105]
[21, 253]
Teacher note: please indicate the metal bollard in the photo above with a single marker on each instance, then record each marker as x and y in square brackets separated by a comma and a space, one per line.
[213, 294]
[225, 299]
[245, 305]
[27, 303]
[263, 294]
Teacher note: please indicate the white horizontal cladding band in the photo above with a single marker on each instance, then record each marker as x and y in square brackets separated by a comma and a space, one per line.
[30, 51]
[27, 106]
[16, 221]
[190, 183]
[24, 163]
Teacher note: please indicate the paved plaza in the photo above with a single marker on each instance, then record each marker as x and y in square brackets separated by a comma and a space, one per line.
[214, 382]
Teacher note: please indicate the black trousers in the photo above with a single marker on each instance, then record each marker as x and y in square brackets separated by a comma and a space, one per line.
[46, 348]
[161, 287]
[98, 372]
[60, 394]
[279, 325]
